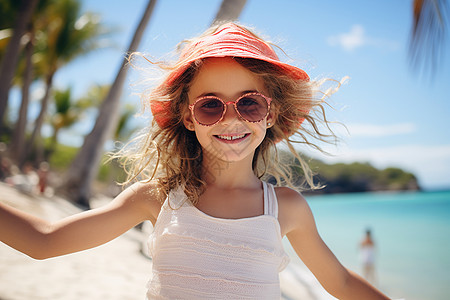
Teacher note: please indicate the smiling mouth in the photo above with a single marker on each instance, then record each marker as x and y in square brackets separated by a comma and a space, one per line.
[234, 137]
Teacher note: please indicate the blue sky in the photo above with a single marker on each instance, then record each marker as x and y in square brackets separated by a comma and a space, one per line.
[395, 116]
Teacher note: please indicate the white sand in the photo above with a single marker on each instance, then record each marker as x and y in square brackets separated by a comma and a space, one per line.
[116, 270]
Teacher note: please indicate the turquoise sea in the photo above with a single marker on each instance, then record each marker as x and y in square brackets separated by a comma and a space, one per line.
[411, 231]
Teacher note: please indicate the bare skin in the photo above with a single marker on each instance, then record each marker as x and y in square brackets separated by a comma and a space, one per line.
[41, 239]
[233, 191]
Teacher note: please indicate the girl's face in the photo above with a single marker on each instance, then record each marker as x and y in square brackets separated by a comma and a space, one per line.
[232, 139]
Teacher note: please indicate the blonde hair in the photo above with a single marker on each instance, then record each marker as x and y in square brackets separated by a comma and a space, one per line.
[172, 155]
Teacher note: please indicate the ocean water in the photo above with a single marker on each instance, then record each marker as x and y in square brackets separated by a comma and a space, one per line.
[412, 235]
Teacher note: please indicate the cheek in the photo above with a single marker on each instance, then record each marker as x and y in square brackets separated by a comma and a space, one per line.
[261, 127]
[201, 134]
[259, 131]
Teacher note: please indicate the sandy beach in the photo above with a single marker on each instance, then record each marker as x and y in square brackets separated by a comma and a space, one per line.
[116, 270]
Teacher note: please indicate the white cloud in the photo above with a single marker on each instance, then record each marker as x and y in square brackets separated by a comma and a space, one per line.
[357, 38]
[349, 41]
[372, 130]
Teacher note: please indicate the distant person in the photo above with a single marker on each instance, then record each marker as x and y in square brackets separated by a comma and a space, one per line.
[26, 181]
[5, 168]
[367, 256]
[218, 227]
[43, 176]
[5, 163]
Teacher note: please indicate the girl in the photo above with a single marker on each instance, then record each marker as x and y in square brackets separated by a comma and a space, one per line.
[217, 227]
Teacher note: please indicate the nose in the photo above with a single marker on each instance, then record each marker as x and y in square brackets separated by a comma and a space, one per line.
[231, 114]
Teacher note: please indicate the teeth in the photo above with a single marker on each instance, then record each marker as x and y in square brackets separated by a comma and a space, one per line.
[230, 138]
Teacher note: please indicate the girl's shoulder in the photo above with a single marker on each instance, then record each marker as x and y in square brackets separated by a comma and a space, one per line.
[289, 197]
[148, 195]
[293, 209]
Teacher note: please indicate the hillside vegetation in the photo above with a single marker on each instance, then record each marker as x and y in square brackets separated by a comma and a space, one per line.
[361, 177]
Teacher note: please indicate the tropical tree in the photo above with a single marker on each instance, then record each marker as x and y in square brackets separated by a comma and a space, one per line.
[84, 168]
[68, 111]
[123, 130]
[229, 10]
[17, 147]
[68, 36]
[94, 96]
[9, 60]
[25, 72]
[428, 33]
[65, 115]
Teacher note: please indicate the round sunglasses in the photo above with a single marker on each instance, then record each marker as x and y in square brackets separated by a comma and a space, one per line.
[210, 110]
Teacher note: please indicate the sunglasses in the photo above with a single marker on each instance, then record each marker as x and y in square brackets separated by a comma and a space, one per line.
[210, 110]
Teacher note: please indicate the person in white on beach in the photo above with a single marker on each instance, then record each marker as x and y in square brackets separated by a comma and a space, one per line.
[367, 257]
[204, 164]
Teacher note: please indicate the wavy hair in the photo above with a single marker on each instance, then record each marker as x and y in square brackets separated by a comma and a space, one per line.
[172, 155]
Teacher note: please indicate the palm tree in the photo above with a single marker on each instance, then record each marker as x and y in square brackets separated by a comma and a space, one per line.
[17, 147]
[69, 35]
[66, 114]
[123, 132]
[25, 73]
[429, 29]
[94, 96]
[84, 168]
[67, 111]
[11, 56]
[229, 10]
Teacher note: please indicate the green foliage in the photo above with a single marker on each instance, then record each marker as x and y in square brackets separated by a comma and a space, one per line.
[8, 12]
[396, 178]
[354, 177]
[66, 111]
[111, 172]
[63, 156]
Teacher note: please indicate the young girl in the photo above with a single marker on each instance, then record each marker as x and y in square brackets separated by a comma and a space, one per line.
[217, 227]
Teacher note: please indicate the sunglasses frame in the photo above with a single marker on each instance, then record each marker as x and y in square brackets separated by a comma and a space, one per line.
[225, 105]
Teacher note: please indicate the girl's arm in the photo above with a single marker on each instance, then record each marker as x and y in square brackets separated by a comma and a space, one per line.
[298, 223]
[41, 239]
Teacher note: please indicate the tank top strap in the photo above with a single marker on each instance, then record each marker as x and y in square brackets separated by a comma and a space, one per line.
[266, 199]
[270, 200]
[175, 199]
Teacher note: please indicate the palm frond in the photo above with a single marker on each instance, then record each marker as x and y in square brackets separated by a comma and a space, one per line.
[428, 34]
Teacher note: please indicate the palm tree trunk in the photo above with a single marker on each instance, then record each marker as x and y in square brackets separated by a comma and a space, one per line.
[229, 10]
[53, 144]
[18, 140]
[84, 168]
[35, 140]
[11, 57]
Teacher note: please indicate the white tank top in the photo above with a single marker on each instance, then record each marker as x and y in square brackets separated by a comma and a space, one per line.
[197, 256]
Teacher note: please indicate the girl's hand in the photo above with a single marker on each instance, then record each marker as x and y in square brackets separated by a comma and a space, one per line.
[297, 222]
[41, 239]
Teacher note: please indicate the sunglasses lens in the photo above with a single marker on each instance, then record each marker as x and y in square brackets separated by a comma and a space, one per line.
[207, 111]
[253, 108]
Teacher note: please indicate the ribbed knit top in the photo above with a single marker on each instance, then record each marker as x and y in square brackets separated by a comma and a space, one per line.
[197, 256]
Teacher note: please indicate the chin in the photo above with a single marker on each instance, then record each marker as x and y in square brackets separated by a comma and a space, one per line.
[234, 155]
[232, 152]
